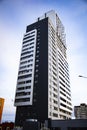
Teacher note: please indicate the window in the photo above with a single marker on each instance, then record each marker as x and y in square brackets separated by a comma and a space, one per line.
[25, 46]
[30, 65]
[55, 115]
[55, 101]
[22, 88]
[55, 108]
[23, 82]
[22, 67]
[28, 87]
[62, 105]
[28, 81]
[28, 40]
[22, 100]
[25, 49]
[24, 76]
[62, 99]
[30, 60]
[27, 57]
[23, 62]
[31, 47]
[22, 93]
[28, 37]
[55, 89]
[31, 43]
[28, 52]
[55, 95]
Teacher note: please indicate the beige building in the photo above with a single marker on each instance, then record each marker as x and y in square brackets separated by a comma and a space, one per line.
[80, 111]
[1, 107]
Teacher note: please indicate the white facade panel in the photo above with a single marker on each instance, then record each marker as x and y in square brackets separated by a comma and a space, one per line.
[58, 83]
[29, 64]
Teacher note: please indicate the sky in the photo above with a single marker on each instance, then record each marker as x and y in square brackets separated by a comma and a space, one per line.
[15, 15]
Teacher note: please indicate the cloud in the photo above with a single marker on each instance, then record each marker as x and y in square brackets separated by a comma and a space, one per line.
[10, 47]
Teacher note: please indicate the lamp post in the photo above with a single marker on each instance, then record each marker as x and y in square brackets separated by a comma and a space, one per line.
[82, 76]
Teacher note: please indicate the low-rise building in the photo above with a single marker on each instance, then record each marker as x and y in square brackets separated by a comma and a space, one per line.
[7, 126]
[1, 107]
[74, 124]
[80, 111]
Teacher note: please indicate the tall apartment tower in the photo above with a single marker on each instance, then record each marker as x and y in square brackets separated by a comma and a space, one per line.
[43, 84]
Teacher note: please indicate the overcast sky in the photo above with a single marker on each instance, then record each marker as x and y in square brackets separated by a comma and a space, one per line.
[15, 15]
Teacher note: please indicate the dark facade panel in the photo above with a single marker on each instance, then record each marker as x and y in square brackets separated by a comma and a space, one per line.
[40, 94]
[30, 126]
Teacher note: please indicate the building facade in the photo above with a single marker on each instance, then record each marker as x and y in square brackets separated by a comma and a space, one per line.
[80, 111]
[1, 107]
[43, 85]
[74, 124]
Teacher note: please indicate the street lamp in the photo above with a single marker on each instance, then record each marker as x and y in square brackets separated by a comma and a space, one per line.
[82, 76]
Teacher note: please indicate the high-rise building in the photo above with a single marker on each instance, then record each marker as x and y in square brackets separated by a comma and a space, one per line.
[43, 84]
[81, 111]
[1, 107]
